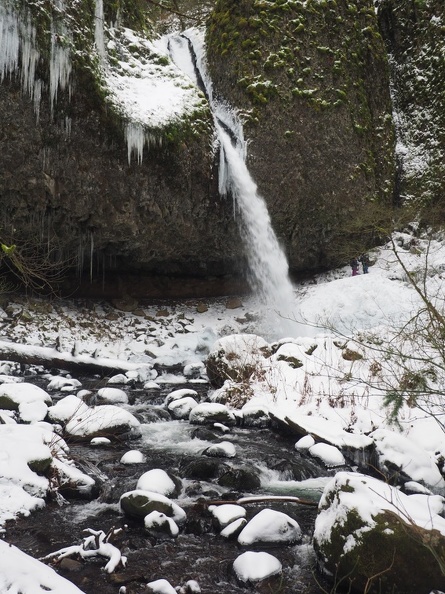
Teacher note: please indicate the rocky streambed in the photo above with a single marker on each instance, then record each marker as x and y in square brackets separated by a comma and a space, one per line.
[199, 558]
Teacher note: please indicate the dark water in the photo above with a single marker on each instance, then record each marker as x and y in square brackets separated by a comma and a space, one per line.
[199, 553]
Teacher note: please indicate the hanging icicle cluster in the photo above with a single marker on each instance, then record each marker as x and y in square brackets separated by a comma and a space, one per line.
[20, 55]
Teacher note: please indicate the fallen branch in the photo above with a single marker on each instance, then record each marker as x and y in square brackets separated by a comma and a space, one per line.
[95, 545]
[262, 499]
[51, 358]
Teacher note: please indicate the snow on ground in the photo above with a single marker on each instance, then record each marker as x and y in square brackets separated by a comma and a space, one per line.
[328, 391]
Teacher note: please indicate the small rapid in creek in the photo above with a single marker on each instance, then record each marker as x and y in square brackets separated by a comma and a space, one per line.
[266, 464]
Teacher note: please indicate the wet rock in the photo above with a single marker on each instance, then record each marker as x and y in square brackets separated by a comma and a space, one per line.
[202, 469]
[241, 480]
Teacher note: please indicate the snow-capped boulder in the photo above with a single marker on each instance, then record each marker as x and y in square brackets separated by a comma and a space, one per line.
[14, 394]
[208, 413]
[255, 416]
[133, 457]
[227, 513]
[270, 526]
[63, 384]
[254, 566]
[112, 396]
[181, 408]
[66, 408]
[179, 394]
[32, 412]
[399, 455]
[105, 420]
[236, 357]
[224, 449]
[119, 378]
[368, 532]
[140, 503]
[158, 524]
[159, 587]
[157, 480]
[233, 530]
[328, 454]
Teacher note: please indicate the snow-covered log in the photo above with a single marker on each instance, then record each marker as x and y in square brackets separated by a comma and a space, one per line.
[51, 358]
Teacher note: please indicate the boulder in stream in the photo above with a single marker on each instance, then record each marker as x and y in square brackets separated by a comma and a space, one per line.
[369, 534]
[139, 503]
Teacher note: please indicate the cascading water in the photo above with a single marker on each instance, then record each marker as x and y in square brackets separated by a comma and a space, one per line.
[268, 267]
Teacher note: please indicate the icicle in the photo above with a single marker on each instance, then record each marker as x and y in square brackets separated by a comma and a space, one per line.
[135, 137]
[9, 43]
[91, 255]
[60, 64]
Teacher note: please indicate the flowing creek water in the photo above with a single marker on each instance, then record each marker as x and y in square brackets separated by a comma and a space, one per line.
[199, 552]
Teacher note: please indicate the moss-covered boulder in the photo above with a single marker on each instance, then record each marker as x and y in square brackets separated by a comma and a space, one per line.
[140, 503]
[372, 538]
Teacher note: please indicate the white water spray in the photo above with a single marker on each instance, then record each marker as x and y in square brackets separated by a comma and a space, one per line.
[268, 267]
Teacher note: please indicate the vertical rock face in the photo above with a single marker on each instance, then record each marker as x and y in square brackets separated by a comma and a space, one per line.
[312, 82]
[414, 34]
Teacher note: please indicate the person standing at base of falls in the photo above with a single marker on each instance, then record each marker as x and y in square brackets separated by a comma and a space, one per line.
[354, 266]
[364, 259]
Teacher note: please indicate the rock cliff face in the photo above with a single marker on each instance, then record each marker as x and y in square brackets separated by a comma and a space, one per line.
[311, 82]
[414, 35]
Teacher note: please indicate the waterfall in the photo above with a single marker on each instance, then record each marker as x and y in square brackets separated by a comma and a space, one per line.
[268, 266]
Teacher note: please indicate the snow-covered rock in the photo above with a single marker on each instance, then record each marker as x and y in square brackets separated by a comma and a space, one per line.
[159, 587]
[224, 449]
[104, 420]
[227, 513]
[179, 394]
[397, 453]
[133, 457]
[66, 408]
[181, 408]
[328, 454]
[236, 357]
[14, 394]
[140, 503]
[270, 526]
[157, 523]
[112, 396]
[157, 480]
[367, 531]
[63, 384]
[208, 413]
[254, 566]
[22, 573]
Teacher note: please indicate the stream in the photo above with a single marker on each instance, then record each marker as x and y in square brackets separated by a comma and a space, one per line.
[266, 464]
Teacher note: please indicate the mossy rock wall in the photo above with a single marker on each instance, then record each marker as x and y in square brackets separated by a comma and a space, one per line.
[414, 33]
[311, 81]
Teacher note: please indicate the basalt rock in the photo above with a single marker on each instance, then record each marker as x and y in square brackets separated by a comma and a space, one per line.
[311, 82]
